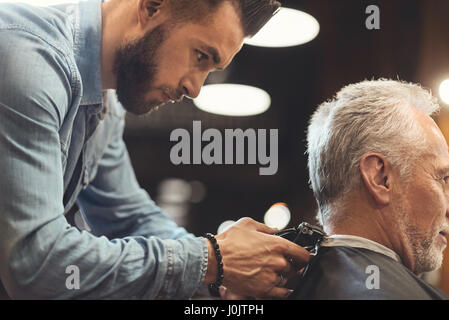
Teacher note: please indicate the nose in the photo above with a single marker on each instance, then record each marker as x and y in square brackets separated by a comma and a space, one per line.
[191, 85]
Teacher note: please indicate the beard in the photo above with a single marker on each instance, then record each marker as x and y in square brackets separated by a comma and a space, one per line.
[135, 67]
[427, 253]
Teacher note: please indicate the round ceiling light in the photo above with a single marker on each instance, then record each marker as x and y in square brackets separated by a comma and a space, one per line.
[233, 100]
[225, 226]
[288, 27]
[278, 216]
[444, 91]
[41, 3]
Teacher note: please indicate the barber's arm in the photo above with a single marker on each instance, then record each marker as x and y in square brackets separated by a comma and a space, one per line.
[37, 245]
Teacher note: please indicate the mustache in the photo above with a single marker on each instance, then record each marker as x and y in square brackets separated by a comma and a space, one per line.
[174, 94]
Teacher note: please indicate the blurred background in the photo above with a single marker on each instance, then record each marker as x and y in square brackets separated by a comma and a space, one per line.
[412, 44]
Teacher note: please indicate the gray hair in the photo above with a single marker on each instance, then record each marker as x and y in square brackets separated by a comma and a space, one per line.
[370, 116]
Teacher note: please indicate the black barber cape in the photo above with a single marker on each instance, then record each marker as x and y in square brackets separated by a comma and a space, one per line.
[346, 273]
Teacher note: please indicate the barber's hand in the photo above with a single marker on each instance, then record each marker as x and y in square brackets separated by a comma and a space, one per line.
[226, 294]
[257, 263]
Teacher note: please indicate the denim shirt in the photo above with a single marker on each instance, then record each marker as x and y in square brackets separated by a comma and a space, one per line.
[61, 143]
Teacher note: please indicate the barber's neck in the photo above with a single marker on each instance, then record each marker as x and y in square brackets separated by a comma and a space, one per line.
[373, 224]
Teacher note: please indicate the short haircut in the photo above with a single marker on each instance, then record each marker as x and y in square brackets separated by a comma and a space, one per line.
[254, 14]
[371, 116]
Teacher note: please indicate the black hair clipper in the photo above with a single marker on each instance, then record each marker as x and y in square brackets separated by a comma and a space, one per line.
[306, 235]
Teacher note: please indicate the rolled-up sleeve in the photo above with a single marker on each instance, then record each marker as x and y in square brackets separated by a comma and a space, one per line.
[37, 245]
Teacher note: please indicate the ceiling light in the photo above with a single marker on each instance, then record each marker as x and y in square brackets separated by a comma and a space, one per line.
[233, 100]
[174, 191]
[444, 91]
[278, 216]
[41, 2]
[225, 226]
[288, 27]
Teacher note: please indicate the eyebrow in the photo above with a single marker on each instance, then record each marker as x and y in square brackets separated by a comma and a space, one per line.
[214, 53]
[443, 170]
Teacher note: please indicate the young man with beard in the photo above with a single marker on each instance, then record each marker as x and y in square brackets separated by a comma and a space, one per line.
[61, 143]
[379, 169]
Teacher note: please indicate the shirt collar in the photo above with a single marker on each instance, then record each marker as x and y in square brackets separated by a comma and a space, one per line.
[359, 242]
[87, 49]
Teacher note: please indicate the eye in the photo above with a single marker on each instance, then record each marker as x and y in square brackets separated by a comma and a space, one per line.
[445, 179]
[201, 56]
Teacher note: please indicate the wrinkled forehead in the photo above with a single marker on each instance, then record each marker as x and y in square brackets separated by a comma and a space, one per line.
[436, 145]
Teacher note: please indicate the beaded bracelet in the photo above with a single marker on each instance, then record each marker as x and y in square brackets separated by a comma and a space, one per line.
[214, 287]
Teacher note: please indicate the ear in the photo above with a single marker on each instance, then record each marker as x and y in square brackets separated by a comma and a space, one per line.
[150, 9]
[376, 175]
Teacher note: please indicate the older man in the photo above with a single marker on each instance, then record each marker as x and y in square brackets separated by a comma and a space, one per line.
[379, 169]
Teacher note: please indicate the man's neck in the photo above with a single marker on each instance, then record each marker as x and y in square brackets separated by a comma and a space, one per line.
[373, 226]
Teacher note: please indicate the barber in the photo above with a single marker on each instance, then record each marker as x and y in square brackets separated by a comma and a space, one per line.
[69, 74]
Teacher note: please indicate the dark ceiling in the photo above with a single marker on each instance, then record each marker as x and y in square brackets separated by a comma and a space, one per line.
[411, 45]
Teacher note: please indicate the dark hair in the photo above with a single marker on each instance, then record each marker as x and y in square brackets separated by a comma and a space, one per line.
[254, 14]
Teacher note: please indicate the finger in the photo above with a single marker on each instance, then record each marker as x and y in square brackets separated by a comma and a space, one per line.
[291, 271]
[227, 294]
[278, 293]
[282, 265]
[297, 254]
[222, 290]
[282, 281]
